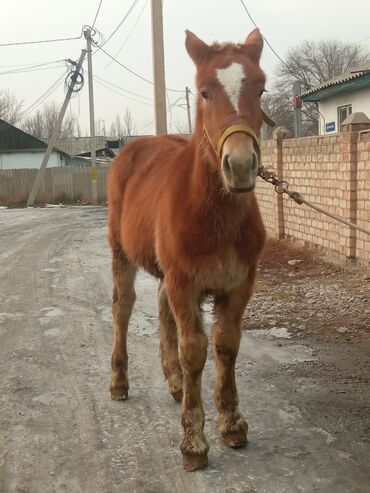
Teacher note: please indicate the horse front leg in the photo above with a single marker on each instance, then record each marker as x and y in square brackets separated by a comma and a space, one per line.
[226, 341]
[193, 353]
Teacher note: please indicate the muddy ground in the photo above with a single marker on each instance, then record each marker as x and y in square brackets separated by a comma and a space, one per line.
[303, 373]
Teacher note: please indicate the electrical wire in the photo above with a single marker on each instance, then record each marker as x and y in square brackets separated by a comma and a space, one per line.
[31, 64]
[26, 70]
[46, 94]
[270, 46]
[97, 13]
[120, 24]
[41, 99]
[56, 40]
[130, 33]
[126, 68]
[123, 90]
[120, 93]
[135, 73]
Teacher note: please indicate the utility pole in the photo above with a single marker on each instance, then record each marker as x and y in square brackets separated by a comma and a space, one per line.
[158, 68]
[297, 112]
[94, 184]
[49, 149]
[187, 91]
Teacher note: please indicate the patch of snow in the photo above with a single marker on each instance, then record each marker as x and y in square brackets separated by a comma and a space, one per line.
[294, 262]
[55, 260]
[52, 312]
[342, 330]
[281, 332]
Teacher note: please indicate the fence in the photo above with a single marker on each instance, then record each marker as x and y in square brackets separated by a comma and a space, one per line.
[58, 184]
[330, 171]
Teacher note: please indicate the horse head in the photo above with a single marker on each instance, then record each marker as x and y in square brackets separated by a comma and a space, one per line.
[230, 84]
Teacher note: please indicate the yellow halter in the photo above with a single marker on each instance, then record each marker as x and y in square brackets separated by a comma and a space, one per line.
[240, 127]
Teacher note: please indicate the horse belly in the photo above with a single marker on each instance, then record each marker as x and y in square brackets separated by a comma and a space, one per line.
[138, 236]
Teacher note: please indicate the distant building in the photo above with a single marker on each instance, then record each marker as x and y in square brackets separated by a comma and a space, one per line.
[19, 150]
[340, 97]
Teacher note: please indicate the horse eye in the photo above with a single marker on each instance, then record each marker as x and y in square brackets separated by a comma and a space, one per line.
[204, 94]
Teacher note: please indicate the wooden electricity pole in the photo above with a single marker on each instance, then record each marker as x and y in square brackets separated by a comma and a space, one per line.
[297, 112]
[49, 149]
[158, 68]
[187, 91]
[94, 184]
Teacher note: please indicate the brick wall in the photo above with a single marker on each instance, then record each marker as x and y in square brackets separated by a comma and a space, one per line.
[332, 172]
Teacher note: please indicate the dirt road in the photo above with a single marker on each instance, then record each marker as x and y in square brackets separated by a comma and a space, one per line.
[303, 375]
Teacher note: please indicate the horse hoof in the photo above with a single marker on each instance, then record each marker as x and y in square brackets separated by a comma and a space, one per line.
[193, 462]
[119, 393]
[177, 395]
[235, 439]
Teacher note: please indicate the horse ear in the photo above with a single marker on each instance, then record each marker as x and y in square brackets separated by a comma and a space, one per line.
[197, 49]
[254, 44]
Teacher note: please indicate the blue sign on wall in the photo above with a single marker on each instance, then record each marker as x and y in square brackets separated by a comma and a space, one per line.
[330, 127]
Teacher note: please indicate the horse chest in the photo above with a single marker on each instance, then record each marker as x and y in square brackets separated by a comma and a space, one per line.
[222, 274]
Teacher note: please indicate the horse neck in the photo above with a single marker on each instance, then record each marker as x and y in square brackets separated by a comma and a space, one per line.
[208, 195]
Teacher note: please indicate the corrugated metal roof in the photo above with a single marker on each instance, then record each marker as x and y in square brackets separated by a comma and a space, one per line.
[354, 73]
[78, 145]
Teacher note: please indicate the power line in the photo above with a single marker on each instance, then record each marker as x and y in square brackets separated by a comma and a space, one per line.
[130, 33]
[97, 13]
[135, 73]
[104, 84]
[126, 68]
[270, 46]
[56, 84]
[45, 95]
[30, 64]
[120, 24]
[124, 90]
[32, 68]
[56, 40]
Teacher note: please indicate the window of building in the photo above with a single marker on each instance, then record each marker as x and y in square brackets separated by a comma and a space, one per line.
[343, 112]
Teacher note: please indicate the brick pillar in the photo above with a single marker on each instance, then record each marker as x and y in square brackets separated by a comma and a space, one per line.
[348, 143]
[279, 134]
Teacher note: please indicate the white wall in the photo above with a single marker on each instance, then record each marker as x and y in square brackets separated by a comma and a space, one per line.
[360, 101]
[23, 160]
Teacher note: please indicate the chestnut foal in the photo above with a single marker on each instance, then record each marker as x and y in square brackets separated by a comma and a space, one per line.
[185, 211]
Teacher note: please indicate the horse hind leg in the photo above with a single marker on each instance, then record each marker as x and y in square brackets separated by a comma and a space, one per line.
[124, 272]
[169, 344]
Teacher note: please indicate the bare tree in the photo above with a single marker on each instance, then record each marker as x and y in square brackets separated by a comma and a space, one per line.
[10, 107]
[181, 127]
[42, 123]
[129, 127]
[311, 63]
[120, 129]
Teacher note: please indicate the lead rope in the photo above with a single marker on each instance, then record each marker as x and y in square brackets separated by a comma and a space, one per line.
[282, 187]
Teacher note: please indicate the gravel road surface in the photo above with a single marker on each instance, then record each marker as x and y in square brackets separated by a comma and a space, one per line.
[303, 374]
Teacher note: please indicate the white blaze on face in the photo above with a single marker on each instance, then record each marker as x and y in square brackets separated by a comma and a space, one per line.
[231, 78]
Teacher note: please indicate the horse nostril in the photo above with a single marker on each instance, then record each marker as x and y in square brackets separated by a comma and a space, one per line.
[254, 162]
[226, 165]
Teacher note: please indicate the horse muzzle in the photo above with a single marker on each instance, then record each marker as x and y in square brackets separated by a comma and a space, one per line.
[239, 163]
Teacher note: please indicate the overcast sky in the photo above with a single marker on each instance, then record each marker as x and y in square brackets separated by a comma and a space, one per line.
[285, 23]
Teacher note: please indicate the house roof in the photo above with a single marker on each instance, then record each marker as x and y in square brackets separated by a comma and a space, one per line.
[357, 78]
[78, 145]
[14, 139]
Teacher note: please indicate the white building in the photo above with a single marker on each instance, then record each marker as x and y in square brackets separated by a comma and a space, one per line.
[19, 150]
[340, 97]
